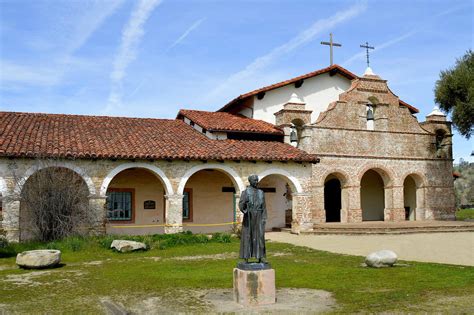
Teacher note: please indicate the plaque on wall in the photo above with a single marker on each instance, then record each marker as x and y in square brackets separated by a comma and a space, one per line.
[149, 204]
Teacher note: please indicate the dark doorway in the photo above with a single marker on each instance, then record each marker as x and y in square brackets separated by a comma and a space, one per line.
[332, 200]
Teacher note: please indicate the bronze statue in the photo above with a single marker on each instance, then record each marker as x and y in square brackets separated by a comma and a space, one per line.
[252, 205]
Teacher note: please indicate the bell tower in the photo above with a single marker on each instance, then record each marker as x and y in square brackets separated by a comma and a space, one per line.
[292, 119]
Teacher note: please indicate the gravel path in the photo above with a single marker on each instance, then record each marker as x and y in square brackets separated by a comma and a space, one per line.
[448, 248]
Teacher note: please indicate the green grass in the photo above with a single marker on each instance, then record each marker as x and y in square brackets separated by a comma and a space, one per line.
[168, 272]
[465, 214]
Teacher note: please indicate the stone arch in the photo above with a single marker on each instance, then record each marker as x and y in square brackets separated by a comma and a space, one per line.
[414, 197]
[293, 181]
[339, 174]
[375, 187]
[155, 170]
[418, 177]
[388, 176]
[336, 198]
[79, 171]
[236, 180]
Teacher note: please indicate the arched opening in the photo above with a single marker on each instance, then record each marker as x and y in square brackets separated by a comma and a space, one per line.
[372, 196]
[54, 204]
[209, 203]
[409, 198]
[278, 199]
[332, 199]
[135, 202]
[298, 129]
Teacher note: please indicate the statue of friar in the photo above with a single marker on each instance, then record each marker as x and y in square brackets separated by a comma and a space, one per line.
[252, 205]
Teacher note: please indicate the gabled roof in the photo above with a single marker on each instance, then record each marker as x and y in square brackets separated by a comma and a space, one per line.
[100, 137]
[334, 69]
[223, 121]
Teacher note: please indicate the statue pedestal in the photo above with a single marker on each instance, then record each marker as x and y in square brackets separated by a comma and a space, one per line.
[254, 284]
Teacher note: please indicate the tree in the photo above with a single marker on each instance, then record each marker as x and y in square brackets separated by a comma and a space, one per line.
[454, 92]
[53, 203]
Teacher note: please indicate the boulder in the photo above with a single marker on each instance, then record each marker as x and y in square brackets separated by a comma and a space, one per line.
[38, 259]
[127, 246]
[382, 258]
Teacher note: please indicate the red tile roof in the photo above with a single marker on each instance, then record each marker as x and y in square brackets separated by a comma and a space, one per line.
[102, 137]
[334, 69]
[222, 121]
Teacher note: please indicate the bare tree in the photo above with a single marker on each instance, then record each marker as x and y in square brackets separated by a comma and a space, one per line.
[54, 203]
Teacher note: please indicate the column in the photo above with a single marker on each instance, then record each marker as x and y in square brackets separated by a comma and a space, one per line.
[354, 207]
[174, 213]
[394, 204]
[11, 218]
[97, 205]
[239, 216]
[318, 213]
[302, 216]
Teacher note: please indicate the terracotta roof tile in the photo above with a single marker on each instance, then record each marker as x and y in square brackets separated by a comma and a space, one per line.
[102, 137]
[331, 69]
[222, 121]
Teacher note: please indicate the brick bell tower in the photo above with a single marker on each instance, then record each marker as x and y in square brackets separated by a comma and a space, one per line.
[292, 119]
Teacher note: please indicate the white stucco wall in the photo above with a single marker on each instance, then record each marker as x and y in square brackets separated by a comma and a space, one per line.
[276, 202]
[210, 204]
[318, 92]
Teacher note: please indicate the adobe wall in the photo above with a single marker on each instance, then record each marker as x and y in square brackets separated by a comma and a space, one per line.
[173, 176]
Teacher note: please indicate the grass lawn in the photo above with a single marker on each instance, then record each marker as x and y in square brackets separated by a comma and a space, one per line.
[464, 214]
[91, 273]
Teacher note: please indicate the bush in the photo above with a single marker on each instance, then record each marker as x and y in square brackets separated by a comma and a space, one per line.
[464, 214]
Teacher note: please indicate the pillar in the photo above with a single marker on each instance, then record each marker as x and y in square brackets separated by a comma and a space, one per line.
[319, 213]
[302, 216]
[174, 213]
[11, 218]
[354, 207]
[97, 205]
[239, 216]
[394, 204]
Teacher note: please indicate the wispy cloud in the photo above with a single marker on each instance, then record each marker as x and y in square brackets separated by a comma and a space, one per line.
[301, 39]
[186, 33]
[402, 37]
[131, 37]
[78, 22]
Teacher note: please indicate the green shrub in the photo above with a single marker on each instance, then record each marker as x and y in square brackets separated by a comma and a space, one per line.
[465, 214]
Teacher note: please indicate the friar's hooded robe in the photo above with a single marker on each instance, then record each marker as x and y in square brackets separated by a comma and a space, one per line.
[252, 205]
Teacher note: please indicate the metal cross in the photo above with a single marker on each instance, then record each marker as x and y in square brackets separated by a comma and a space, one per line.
[367, 47]
[331, 44]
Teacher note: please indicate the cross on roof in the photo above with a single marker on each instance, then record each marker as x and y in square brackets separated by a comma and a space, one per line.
[367, 47]
[331, 44]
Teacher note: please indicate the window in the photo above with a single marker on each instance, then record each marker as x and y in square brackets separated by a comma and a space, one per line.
[120, 204]
[188, 205]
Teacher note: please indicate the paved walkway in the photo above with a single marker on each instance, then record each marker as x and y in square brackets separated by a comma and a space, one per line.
[447, 248]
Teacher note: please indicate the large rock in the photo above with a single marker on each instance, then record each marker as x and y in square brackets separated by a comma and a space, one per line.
[127, 246]
[382, 258]
[38, 259]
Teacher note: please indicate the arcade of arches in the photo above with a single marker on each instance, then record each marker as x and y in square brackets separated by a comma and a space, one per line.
[144, 198]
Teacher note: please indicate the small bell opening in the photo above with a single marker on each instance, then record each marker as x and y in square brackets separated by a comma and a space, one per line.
[370, 113]
[293, 135]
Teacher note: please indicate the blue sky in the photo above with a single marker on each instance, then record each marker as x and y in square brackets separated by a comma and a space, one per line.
[151, 58]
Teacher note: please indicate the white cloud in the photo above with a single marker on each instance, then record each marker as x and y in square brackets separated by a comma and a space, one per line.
[74, 23]
[131, 37]
[301, 39]
[187, 32]
[94, 14]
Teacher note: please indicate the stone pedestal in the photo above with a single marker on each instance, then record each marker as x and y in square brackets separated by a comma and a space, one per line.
[254, 287]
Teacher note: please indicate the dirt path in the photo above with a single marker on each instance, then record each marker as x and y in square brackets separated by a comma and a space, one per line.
[447, 248]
